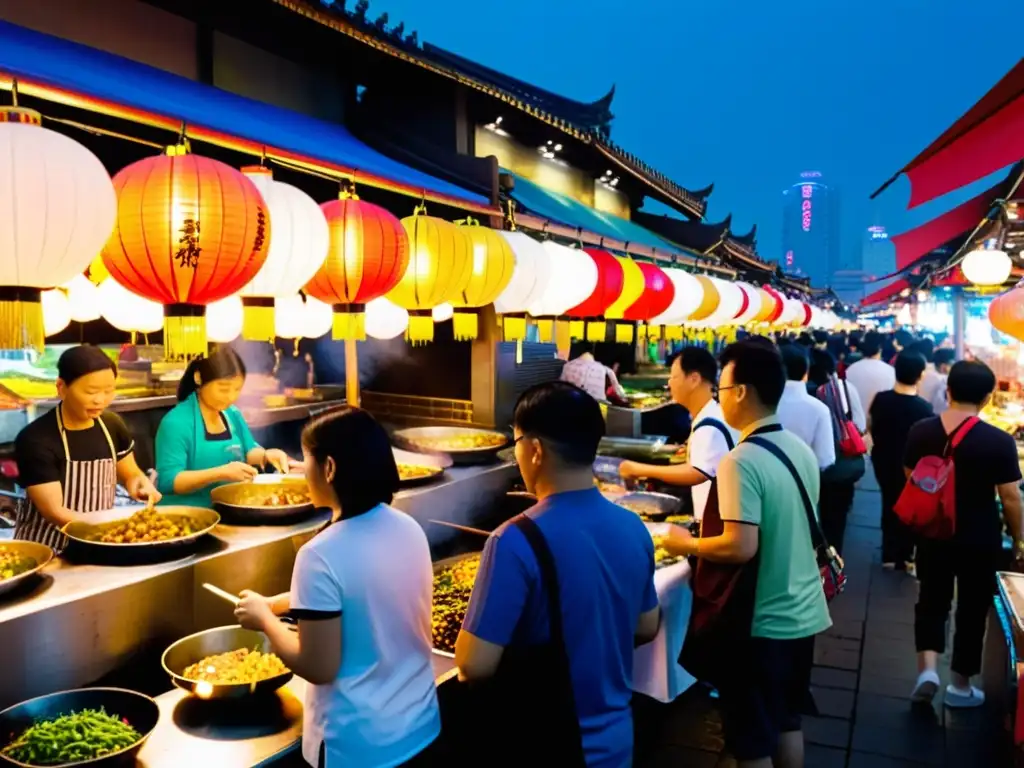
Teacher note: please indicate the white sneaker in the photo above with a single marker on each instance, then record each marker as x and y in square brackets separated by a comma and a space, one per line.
[964, 698]
[926, 688]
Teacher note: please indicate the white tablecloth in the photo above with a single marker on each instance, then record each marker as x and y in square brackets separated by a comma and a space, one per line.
[656, 671]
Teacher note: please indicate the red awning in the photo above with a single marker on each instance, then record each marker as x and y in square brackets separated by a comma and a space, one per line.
[884, 294]
[988, 137]
[915, 243]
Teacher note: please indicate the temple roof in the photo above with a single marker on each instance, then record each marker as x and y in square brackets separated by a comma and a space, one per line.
[749, 239]
[696, 235]
[581, 120]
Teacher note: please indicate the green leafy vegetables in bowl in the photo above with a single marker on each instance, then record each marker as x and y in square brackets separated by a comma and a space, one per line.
[72, 738]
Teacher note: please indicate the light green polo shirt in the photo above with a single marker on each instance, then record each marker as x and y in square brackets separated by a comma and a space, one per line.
[754, 487]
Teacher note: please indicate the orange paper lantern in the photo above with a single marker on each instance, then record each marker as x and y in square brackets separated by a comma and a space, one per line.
[368, 254]
[1006, 313]
[190, 231]
[709, 302]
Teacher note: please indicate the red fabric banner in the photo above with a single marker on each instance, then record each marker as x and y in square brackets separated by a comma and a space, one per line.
[915, 243]
[884, 294]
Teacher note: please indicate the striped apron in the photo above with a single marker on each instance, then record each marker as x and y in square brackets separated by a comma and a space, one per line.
[89, 486]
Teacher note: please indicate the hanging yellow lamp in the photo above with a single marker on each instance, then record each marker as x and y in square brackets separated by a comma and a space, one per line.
[708, 303]
[633, 285]
[491, 265]
[440, 266]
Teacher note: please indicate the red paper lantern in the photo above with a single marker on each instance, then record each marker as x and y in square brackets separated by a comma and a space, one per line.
[610, 280]
[190, 231]
[368, 254]
[659, 290]
[807, 314]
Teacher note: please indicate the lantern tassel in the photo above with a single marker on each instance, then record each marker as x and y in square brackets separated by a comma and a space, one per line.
[466, 325]
[513, 327]
[674, 333]
[349, 322]
[545, 330]
[623, 333]
[184, 331]
[257, 318]
[577, 329]
[21, 319]
[421, 327]
[654, 332]
[596, 330]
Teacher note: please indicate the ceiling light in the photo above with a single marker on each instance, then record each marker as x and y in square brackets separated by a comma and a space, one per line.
[498, 120]
[558, 147]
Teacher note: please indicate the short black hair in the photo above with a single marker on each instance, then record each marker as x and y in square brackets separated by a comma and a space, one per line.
[759, 367]
[762, 341]
[909, 366]
[794, 358]
[970, 381]
[903, 337]
[697, 360]
[944, 356]
[563, 416]
[366, 474]
[823, 365]
[76, 362]
[924, 347]
[869, 347]
[820, 336]
[582, 348]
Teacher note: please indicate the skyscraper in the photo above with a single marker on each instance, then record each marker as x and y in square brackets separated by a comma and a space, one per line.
[810, 229]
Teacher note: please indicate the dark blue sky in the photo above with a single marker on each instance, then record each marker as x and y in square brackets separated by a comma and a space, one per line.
[747, 93]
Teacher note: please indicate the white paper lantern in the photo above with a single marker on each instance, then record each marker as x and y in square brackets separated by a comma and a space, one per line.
[84, 299]
[385, 320]
[289, 313]
[57, 209]
[530, 277]
[730, 301]
[573, 279]
[442, 312]
[299, 239]
[56, 311]
[224, 320]
[318, 318]
[128, 311]
[987, 267]
[685, 300]
[792, 312]
[754, 303]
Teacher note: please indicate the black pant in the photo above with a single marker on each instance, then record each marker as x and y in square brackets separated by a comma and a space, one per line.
[897, 539]
[835, 502]
[939, 563]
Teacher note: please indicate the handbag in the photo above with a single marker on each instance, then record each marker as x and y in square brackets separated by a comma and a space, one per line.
[830, 564]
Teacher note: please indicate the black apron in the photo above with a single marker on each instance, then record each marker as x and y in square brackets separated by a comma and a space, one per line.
[529, 707]
[89, 486]
[718, 635]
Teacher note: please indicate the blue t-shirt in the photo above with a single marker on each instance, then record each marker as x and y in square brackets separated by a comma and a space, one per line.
[605, 561]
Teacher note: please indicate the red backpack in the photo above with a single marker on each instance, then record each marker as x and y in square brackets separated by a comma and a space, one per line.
[927, 504]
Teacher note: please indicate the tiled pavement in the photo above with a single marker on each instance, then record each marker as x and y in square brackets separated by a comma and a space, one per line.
[865, 669]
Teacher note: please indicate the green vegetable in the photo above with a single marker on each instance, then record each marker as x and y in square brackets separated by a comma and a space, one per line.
[71, 738]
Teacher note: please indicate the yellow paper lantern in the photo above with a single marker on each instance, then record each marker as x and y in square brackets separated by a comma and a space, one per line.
[56, 311]
[768, 304]
[633, 285]
[491, 266]
[709, 302]
[97, 271]
[440, 267]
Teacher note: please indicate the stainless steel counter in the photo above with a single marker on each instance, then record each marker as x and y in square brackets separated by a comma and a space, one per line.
[79, 622]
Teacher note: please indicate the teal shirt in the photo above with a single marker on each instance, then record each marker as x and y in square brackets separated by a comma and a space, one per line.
[755, 488]
[182, 445]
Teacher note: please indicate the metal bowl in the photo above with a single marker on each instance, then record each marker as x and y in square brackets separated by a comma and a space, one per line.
[231, 501]
[411, 440]
[41, 553]
[656, 506]
[82, 529]
[437, 465]
[648, 450]
[141, 712]
[196, 647]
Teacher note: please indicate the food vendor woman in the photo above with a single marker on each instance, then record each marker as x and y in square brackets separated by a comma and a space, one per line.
[70, 459]
[204, 441]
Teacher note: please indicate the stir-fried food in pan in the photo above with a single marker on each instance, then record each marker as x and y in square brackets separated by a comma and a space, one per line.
[415, 472]
[239, 666]
[72, 738]
[145, 525]
[452, 588]
[273, 495]
[662, 557]
[467, 442]
[14, 563]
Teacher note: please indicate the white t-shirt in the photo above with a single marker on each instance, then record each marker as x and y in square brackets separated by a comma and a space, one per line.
[375, 571]
[705, 449]
[870, 377]
[809, 419]
[933, 389]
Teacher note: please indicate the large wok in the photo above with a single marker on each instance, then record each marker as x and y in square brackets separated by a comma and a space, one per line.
[83, 531]
[234, 501]
[141, 712]
[195, 647]
[412, 440]
[41, 553]
[434, 463]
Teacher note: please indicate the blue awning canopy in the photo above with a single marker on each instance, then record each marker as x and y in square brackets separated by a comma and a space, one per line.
[42, 59]
[560, 208]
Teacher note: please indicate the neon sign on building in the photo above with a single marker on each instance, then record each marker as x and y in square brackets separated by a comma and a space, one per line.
[806, 191]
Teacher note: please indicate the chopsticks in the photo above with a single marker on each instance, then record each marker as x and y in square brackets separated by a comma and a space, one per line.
[223, 594]
[465, 528]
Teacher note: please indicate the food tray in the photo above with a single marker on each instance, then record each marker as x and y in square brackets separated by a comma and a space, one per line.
[649, 450]
[661, 504]
[439, 566]
[189, 650]
[408, 440]
[141, 712]
[86, 524]
[41, 553]
[434, 462]
[229, 501]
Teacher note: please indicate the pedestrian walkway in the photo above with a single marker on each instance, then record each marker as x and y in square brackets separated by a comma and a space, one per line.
[865, 668]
